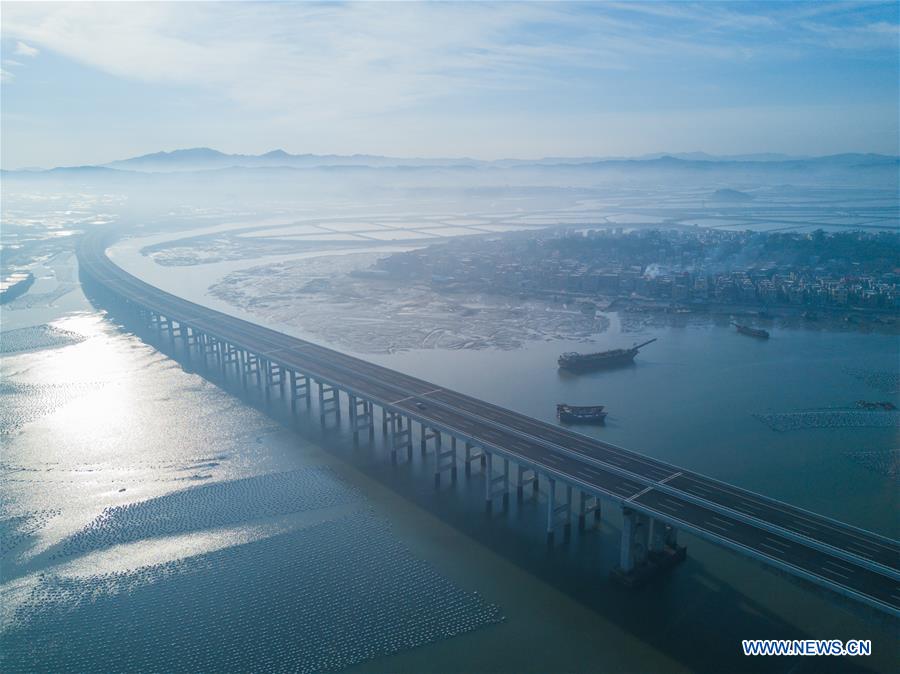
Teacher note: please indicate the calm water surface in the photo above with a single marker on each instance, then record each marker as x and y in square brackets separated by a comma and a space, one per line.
[153, 520]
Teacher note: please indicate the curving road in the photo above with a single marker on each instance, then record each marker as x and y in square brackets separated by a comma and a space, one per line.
[855, 563]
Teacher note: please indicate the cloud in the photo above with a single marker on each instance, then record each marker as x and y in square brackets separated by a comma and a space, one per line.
[6, 77]
[323, 59]
[359, 75]
[23, 49]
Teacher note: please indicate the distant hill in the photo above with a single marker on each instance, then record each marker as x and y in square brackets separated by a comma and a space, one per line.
[204, 158]
[700, 168]
[201, 159]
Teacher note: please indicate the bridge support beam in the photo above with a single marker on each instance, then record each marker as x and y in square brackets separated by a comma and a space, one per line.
[445, 460]
[473, 453]
[274, 376]
[554, 511]
[587, 504]
[299, 386]
[426, 434]
[495, 486]
[525, 477]
[649, 548]
[399, 435]
[329, 402]
[362, 417]
[252, 367]
[635, 530]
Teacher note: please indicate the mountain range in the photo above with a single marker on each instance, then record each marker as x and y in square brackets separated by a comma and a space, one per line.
[198, 159]
[206, 159]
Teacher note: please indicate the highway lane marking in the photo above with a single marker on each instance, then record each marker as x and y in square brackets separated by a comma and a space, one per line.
[774, 541]
[553, 459]
[671, 509]
[835, 573]
[772, 548]
[751, 506]
[671, 502]
[801, 526]
[809, 517]
[859, 551]
[719, 527]
[861, 546]
[640, 493]
[672, 476]
[839, 566]
[726, 523]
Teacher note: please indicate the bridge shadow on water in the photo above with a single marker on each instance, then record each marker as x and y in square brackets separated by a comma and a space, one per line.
[693, 614]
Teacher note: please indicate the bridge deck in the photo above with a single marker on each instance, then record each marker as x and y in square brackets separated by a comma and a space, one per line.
[849, 560]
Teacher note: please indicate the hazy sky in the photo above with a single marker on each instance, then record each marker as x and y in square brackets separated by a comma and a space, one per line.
[88, 83]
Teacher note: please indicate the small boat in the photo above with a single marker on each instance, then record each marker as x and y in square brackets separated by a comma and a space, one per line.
[584, 414]
[753, 332]
[885, 405]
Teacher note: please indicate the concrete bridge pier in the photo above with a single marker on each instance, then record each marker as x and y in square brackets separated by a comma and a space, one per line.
[329, 402]
[649, 548]
[555, 510]
[279, 373]
[299, 385]
[525, 477]
[169, 330]
[425, 434]
[156, 324]
[274, 377]
[183, 336]
[473, 453]
[495, 486]
[362, 417]
[634, 546]
[218, 346]
[587, 504]
[268, 383]
[252, 367]
[445, 460]
[399, 435]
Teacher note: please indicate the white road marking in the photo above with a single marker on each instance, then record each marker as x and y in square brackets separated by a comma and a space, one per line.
[859, 551]
[671, 477]
[838, 566]
[717, 526]
[640, 493]
[772, 548]
[834, 573]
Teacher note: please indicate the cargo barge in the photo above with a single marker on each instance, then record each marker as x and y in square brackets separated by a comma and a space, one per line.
[583, 414]
[752, 332]
[587, 362]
